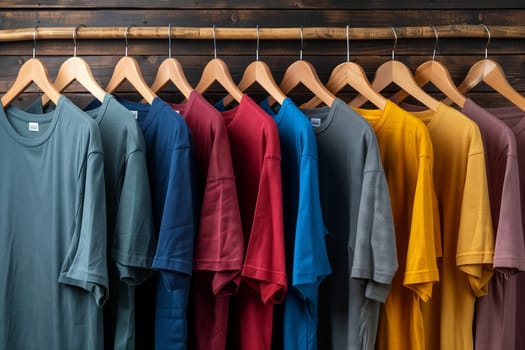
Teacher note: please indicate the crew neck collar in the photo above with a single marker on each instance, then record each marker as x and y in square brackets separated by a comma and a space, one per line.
[51, 117]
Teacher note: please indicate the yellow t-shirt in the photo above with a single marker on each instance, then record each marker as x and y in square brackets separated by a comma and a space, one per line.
[466, 227]
[406, 152]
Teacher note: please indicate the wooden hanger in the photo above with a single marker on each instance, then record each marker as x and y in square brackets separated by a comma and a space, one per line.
[397, 72]
[171, 70]
[217, 70]
[350, 73]
[32, 71]
[127, 68]
[304, 72]
[436, 73]
[491, 73]
[258, 72]
[76, 68]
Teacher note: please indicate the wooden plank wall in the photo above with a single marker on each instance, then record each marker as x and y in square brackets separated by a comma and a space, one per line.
[457, 54]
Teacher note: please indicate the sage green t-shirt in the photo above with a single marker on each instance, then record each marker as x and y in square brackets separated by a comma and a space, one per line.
[53, 274]
[131, 236]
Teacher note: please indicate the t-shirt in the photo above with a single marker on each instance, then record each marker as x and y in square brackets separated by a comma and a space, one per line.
[507, 313]
[304, 231]
[361, 240]
[169, 164]
[466, 228]
[407, 156]
[256, 156]
[219, 246]
[504, 187]
[495, 310]
[53, 270]
[131, 238]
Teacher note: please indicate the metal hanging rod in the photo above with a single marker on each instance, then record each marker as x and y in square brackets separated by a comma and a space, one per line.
[284, 33]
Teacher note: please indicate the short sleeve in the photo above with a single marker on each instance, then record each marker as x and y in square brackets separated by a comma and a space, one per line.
[375, 258]
[85, 264]
[475, 246]
[220, 243]
[421, 261]
[310, 259]
[509, 250]
[134, 237]
[264, 267]
[174, 252]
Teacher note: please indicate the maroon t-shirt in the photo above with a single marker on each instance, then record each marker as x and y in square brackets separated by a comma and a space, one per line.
[256, 156]
[219, 245]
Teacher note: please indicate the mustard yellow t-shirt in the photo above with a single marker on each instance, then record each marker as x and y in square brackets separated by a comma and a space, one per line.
[466, 227]
[406, 152]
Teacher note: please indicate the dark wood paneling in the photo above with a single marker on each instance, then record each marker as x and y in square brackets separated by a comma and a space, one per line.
[267, 18]
[474, 47]
[263, 4]
[457, 54]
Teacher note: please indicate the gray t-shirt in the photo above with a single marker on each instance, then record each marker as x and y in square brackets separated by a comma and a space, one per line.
[361, 242]
[131, 235]
[53, 274]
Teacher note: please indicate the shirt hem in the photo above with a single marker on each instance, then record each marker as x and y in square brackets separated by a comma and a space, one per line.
[172, 265]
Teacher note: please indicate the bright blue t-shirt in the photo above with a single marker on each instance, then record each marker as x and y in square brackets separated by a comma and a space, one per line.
[306, 254]
[169, 161]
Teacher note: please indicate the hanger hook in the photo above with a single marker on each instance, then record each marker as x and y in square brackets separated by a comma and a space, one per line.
[488, 39]
[257, 49]
[347, 44]
[395, 42]
[214, 43]
[75, 39]
[34, 40]
[169, 40]
[302, 42]
[436, 43]
[126, 37]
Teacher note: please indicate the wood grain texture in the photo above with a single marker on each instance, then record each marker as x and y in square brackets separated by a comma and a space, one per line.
[457, 54]
[267, 48]
[456, 31]
[10, 18]
[262, 4]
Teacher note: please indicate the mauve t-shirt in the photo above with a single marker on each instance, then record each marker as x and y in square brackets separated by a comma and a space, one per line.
[495, 321]
[504, 331]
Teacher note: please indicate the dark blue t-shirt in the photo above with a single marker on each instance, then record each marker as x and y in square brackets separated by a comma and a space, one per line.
[168, 156]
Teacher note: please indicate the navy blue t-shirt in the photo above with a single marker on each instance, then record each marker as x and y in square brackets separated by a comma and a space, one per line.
[168, 157]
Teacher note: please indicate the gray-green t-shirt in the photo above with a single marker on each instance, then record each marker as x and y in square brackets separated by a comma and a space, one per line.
[361, 243]
[53, 274]
[131, 237]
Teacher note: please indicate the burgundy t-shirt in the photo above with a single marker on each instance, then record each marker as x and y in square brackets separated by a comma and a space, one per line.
[219, 245]
[256, 156]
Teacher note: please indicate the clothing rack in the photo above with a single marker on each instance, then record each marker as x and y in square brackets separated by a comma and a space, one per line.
[274, 33]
